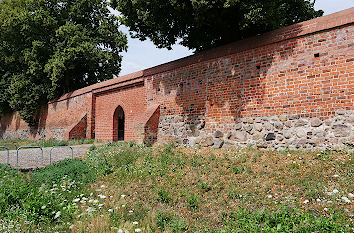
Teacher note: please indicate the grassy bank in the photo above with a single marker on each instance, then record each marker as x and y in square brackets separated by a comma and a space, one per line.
[168, 189]
[125, 187]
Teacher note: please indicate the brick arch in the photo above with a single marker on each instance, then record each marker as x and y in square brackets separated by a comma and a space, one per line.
[119, 108]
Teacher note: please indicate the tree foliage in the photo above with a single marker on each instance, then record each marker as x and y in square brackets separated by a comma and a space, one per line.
[50, 47]
[203, 24]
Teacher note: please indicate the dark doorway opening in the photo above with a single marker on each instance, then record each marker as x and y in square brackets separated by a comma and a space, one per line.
[119, 124]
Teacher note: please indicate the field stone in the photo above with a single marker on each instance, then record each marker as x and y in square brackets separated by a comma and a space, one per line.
[238, 126]
[197, 140]
[258, 120]
[207, 141]
[301, 122]
[258, 127]
[247, 128]
[302, 141]
[283, 118]
[350, 119]
[341, 130]
[301, 133]
[288, 124]
[280, 138]
[239, 136]
[218, 134]
[268, 126]
[250, 120]
[315, 122]
[228, 135]
[278, 125]
[270, 137]
[328, 122]
[262, 145]
[257, 137]
[218, 143]
[192, 141]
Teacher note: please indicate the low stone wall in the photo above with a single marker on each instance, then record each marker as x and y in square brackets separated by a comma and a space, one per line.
[276, 132]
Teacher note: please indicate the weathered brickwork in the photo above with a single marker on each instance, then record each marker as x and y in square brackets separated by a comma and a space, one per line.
[292, 87]
[56, 120]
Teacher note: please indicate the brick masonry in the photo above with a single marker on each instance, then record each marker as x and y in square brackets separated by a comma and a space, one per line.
[291, 87]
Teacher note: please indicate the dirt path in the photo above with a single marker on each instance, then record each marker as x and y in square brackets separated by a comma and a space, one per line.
[32, 158]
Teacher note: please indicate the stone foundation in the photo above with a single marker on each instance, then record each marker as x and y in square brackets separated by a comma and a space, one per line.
[276, 132]
[41, 133]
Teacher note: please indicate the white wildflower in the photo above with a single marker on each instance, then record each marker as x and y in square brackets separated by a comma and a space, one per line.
[57, 215]
[102, 196]
[335, 191]
[110, 210]
[135, 223]
[137, 230]
[325, 209]
[269, 196]
[76, 200]
[350, 195]
[318, 200]
[306, 201]
[103, 186]
[123, 195]
[346, 199]
[120, 231]
[335, 176]
[130, 211]
[43, 207]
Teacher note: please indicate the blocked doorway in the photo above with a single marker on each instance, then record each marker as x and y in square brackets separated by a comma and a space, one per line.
[119, 124]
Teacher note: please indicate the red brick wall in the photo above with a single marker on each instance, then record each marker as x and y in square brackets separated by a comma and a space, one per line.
[301, 71]
[56, 120]
[130, 98]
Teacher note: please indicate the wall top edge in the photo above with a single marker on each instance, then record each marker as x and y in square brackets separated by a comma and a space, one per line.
[338, 19]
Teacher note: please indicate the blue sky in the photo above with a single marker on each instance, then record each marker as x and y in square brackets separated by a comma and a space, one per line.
[144, 54]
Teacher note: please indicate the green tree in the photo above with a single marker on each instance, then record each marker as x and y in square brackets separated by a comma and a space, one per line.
[51, 47]
[203, 24]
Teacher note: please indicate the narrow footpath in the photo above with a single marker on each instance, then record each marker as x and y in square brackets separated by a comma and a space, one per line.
[32, 158]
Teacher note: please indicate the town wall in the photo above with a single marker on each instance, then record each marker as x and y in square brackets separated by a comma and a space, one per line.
[289, 88]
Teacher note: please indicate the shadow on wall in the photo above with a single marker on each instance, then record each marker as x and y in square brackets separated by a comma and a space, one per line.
[151, 128]
[13, 127]
[79, 130]
[222, 89]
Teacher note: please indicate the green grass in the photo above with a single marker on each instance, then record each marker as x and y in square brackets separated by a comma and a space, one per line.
[189, 190]
[168, 189]
[42, 199]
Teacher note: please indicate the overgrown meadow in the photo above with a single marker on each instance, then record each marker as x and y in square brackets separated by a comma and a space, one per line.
[123, 187]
